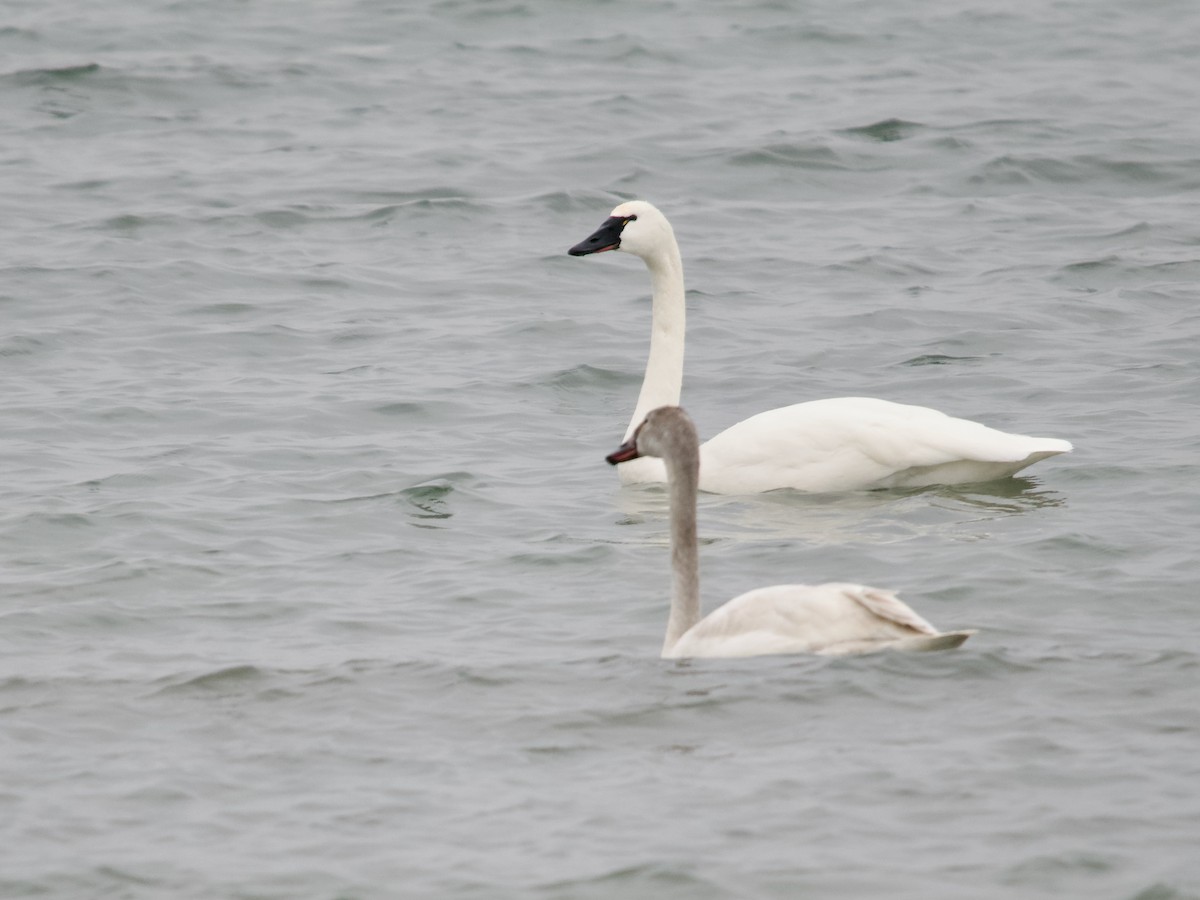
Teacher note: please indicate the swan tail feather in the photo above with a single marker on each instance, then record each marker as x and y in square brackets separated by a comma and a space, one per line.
[945, 641]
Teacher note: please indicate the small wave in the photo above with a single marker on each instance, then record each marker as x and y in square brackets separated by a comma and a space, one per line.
[429, 500]
[804, 34]
[584, 201]
[938, 359]
[620, 47]
[57, 520]
[11, 31]
[21, 345]
[1042, 869]
[221, 680]
[50, 76]
[282, 218]
[1098, 173]
[434, 195]
[882, 265]
[223, 309]
[646, 880]
[585, 376]
[353, 336]
[791, 154]
[1112, 270]
[886, 130]
[1160, 891]
[569, 553]
[402, 408]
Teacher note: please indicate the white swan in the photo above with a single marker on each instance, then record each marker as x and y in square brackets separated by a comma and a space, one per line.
[827, 619]
[840, 444]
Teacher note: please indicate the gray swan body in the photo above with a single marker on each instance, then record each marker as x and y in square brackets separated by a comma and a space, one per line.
[837, 444]
[826, 619]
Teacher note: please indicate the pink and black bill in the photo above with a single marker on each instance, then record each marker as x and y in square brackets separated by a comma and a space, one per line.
[624, 453]
[606, 237]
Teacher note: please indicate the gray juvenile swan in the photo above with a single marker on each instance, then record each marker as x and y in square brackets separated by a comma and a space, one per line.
[839, 444]
[828, 619]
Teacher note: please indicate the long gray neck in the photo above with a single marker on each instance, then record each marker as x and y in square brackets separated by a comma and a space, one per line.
[683, 477]
[663, 381]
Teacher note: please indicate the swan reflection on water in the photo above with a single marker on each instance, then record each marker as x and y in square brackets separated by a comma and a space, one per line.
[877, 517]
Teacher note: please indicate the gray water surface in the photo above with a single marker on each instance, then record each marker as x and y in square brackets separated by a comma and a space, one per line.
[315, 583]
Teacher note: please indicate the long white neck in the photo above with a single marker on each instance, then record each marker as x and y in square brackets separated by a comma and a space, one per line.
[663, 381]
[683, 477]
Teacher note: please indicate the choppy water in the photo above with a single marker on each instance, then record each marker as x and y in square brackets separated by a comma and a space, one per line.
[315, 584]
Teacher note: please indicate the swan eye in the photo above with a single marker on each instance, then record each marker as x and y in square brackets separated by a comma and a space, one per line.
[629, 219]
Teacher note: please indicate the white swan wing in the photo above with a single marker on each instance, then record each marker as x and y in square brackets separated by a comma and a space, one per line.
[852, 443]
[831, 619]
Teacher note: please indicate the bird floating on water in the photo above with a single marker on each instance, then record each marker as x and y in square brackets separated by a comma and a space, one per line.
[837, 444]
[828, 619]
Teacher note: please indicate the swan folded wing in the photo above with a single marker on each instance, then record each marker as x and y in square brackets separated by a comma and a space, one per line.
[849, 443]
[886, 605]
[919, 437]
[797, 618]
[808, 447]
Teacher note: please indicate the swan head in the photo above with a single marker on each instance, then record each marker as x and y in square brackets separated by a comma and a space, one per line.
[635, 226]
[666, 432]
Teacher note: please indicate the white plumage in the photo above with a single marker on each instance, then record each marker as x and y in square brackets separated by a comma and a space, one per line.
[838, 444]
[826, 619]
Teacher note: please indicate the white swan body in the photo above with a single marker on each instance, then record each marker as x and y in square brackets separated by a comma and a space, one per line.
[855, 443]
[838, 444]
[827, 619]
[833, 619]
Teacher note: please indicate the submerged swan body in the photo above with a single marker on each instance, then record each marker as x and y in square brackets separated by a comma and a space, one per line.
[827, 619]
[839, 444]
